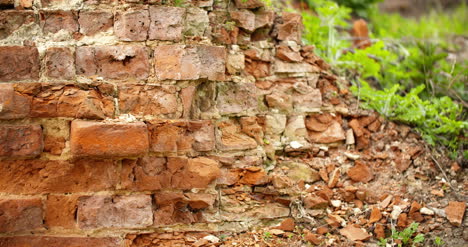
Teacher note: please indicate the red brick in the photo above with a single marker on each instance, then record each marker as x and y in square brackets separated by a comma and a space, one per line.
[60, 211]
[455, 212]
[54, 21]
[100, 1]
[155, 173]
[68, 100]
[264, 19]
[41, 176]
[113, 62]
[176, 207]
[181, 136]
[360, 172]
[59, 63]
[19, 63]
[167, 23]
[180, 62]
[21, 141]
[39, 241]
[95, 21]
[99, 139]
[133, 211]
[323, 128]
[249, 4]
[132, 25]
[12, 20]
[20, 215]
[244, 19]
[291, 29]
[235, 98]
[13, 105]
[147, 99]
[230, 137]
[186, 95]
[221, 33]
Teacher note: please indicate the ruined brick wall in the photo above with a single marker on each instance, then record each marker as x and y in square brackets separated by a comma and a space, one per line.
[123, 119]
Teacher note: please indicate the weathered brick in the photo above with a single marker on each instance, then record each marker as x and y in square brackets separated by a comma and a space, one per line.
[167, 23]
[187, 96]
[181, 136]
[60, 211]
[95, 21]
[196, 22]
[230, 137]
[19, 63]
[12, 104]
[235, 98]
[113, 62]
[176, 207]
[244, 19]
[12, 20]
[41, 176]
[220, 32]
[155, 173]
[324, 128]
[59, 63]
[132, 25]
[21, 141]
[23, 241]
[99, 139]
[249, 4]
[20, 215]
[100, 1]
[291, 29]
[131, 211]
[180, 62]
[67, 100]
[147, 99]
[54, 21]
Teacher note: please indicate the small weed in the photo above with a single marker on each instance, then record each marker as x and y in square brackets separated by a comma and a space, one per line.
[267, 235]
[178, 3]
[404, 238]
[222, 237]
[438, 241]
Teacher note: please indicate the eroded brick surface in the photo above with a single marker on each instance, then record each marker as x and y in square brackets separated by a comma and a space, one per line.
[12, 20]
[96, 139]
[95, 21]
[39, 176]
[19, 63]
[60, 63]
[13, 104]
[60, 211]
[132, 211]
[21, 241]
[147, 99]
[132, 25]
[55, 21]
[113, 62]
[181, 136]
[180, 62]
[20, 214]
[167, 23]
[156, 173]
[21, 141]
[65, 100]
